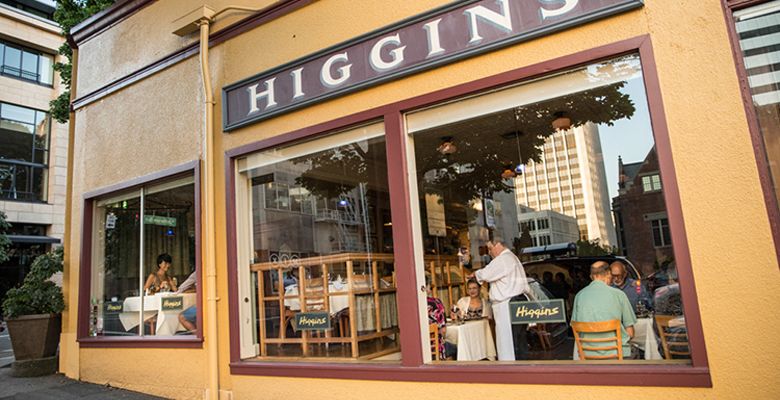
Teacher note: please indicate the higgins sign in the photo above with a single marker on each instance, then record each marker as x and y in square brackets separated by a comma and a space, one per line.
[436, 38]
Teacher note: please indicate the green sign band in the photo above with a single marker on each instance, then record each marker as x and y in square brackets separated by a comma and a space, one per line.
[540, 311]
[312, 321]
[159, 220]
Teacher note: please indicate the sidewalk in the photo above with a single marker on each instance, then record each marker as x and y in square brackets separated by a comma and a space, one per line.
[57, 386]
[52, 386]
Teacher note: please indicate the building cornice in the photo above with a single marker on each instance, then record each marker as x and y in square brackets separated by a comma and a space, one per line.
[105, 19]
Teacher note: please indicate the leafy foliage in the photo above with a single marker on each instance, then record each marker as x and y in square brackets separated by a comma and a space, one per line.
[4, 241]
[594, 248]
[37, 295]
[70, 13]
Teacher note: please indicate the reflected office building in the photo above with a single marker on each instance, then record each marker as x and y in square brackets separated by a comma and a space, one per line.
[570, 180]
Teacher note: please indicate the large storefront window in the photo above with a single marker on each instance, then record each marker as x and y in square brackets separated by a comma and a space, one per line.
[24, 153]
[320, 269]
[550, 172]
[760, 44]
[143, 262]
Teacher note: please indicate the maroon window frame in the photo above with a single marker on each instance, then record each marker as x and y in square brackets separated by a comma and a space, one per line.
[85, 273]
[764, 174]
[412, 366]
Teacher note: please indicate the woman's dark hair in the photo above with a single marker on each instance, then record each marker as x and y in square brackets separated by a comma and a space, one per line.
[470, 281]
[164, 257]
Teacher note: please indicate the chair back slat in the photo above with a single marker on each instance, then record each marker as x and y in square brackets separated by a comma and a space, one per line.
[611, 326]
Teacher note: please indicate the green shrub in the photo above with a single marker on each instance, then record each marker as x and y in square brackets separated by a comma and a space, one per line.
[37, 295]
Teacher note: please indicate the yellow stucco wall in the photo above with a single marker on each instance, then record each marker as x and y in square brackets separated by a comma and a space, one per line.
[734, 264]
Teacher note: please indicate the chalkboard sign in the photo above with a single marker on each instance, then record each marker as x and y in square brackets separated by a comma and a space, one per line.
[113, 306]
[312, 321]
[540, 311]
[172, 303]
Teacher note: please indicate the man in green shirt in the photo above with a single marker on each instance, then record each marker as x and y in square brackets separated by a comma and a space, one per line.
[599, 302]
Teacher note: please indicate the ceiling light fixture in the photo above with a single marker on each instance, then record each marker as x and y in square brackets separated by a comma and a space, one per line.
[447, 146]
[561, 121]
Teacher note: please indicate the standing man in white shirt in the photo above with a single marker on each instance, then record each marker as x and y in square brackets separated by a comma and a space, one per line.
[507, 280]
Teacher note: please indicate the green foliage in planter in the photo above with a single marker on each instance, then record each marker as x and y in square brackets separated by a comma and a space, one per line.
[37, 295]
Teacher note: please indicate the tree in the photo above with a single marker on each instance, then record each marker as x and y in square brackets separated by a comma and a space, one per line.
[594, 248]
[70, 13]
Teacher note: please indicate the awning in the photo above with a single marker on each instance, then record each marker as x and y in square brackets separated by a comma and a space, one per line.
[32, 239]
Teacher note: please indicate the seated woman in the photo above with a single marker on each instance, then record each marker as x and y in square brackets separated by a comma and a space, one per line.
[160, 281]
[473, 306]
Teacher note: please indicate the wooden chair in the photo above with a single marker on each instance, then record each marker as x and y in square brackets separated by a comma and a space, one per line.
[610, 343]
[678, 345]
[433, 330]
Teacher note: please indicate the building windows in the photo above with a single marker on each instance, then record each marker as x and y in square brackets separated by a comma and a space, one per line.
[651, 183]
[661, 235]
[759, 42]
[37, 8]
[25, 63]
[543, 223]
[143, 258]
[24, 153]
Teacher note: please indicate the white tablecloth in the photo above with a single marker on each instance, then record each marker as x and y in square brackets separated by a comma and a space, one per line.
[644, 338]
[365, 313]
[474, 340]
[167, 321]
[314, 302]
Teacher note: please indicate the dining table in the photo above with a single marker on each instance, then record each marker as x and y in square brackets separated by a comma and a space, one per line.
[473, 338]
[167, 323]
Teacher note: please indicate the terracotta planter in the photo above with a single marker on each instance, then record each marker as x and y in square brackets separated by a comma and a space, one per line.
[34, 336]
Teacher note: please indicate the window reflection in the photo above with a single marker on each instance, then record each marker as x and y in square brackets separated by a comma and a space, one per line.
[322, 253]
[564, 171]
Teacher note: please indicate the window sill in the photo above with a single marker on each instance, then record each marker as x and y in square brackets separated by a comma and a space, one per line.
[34, 82]
[181, 342]
[550, 374]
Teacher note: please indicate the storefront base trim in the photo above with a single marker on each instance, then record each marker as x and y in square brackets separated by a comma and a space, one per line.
[136, 342]
[597, 375]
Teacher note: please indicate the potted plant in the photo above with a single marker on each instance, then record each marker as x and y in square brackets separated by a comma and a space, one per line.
[32, 313]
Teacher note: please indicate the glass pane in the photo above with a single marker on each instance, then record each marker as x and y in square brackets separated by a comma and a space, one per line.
[13, 61]
[40, 184]
[41, 137]
[322, 247]
[116, 276]
[17, 140]
[45, 70]
[18, 114]
[523, 188]
[29, 66]
[169, 254]
[16, 182]
[2, 55]
[760, 44]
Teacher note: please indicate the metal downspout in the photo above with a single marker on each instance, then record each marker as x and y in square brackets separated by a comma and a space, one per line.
[208, 187]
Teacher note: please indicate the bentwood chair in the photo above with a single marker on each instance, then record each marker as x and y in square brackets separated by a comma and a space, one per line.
[674, 341]
[433, 330]
[587, 345]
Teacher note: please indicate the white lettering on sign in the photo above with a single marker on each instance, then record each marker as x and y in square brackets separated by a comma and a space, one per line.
[268, 93]
[457, 30]
[325, 75]
[502, 20]
[434, 43]
[567, 6]
[297, 83]
[397, 54]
